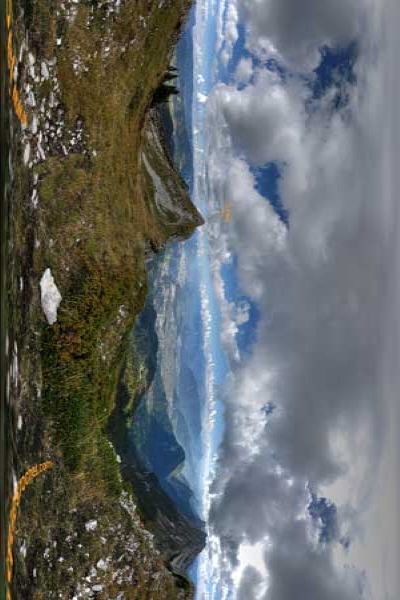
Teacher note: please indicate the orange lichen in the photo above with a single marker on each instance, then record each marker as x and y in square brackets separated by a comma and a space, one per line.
[16, 499]
[11, 61]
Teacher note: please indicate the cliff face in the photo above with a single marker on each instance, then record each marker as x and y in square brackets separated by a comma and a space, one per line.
[166, 192]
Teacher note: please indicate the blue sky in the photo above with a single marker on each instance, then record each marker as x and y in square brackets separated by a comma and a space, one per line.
[290, 132]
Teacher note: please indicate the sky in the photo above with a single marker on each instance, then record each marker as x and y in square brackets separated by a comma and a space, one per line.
[296, 129]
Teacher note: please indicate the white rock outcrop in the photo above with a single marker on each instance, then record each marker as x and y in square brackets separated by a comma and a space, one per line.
[50, 297]
[91, 525]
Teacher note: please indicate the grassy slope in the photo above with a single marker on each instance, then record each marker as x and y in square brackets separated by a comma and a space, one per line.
[92, 224]
[102, 204]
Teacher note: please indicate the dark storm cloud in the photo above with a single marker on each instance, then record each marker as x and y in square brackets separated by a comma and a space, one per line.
[299, 571]
[250, 581]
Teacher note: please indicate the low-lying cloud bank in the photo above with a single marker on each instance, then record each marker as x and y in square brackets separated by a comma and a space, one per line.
[326, 346]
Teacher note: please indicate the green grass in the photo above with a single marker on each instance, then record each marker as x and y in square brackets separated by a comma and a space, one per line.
[96, 215]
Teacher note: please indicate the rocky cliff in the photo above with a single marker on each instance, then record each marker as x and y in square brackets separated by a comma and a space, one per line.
[166, 192]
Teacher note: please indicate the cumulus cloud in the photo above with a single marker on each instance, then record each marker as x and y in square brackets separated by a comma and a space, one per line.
[244, 70]
[230, 35]
[296, 30]
[321, 286]
[265, 120]
[233, 315]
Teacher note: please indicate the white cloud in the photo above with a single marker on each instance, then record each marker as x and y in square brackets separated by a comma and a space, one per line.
[265, 120]
[230, 32]
[323, 287]
[296, 30]
[242, 312]
[251, 562]
[244, 70]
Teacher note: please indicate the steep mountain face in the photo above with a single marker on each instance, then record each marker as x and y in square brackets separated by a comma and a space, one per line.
[189, 390]
[180, 492]
[152, 432]
[165, 190]
[178, 538]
